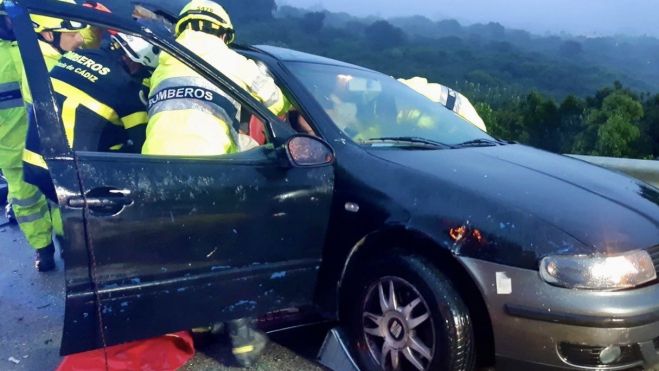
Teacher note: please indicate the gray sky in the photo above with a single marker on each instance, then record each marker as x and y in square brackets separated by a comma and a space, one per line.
[583, 17]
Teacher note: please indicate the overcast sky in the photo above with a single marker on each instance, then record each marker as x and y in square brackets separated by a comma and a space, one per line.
[583, 17]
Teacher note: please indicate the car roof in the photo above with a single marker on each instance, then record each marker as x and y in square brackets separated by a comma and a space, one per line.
[121, 16]
[123, 7]
[290, 55]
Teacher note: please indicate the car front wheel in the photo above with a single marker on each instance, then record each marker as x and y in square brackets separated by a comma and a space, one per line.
[404, 314]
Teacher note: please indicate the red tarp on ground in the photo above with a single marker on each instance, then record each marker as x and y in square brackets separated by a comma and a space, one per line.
[164, 353]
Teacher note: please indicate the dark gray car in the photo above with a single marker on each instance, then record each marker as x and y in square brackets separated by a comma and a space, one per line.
[433, 244]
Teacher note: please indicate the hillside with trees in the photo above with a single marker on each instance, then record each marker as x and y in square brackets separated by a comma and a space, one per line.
[567, 94]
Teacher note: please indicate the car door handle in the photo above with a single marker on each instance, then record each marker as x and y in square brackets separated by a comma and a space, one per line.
[103, 201]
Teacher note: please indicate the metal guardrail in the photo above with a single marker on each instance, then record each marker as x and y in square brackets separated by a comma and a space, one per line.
[646, 170]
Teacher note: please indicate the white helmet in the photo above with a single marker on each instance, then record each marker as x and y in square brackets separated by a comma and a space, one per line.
[136, 49]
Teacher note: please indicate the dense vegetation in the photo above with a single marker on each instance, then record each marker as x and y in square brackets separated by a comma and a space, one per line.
[561, 93]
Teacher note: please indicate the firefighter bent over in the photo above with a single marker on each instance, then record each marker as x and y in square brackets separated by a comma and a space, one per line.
[97, 92]
[188, 116]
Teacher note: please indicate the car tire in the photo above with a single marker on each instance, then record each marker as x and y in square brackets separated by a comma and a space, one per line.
[377, 325]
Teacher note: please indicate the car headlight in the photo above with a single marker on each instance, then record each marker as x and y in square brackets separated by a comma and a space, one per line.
[612, 272]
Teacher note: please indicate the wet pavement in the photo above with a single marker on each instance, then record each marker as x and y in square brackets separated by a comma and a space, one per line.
[32, 311]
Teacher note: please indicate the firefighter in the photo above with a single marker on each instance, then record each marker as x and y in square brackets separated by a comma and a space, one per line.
[56, 37]
[447, 97]
[187, 114]
[30, 206]
[190, 116]
[97, 92]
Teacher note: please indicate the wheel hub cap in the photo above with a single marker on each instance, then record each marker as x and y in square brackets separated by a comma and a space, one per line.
[397, 326]
[396, 330]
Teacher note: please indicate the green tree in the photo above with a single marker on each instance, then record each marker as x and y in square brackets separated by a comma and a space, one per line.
[572, 116]
[313, 22]
[250, 11]
[382, 34]
[650, 127]
[506, 122]
[570, 49]
[542, 122]
[615, 137]
[614, 127]
[448, 27]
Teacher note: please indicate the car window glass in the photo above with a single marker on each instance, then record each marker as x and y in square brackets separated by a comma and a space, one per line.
[367, 105]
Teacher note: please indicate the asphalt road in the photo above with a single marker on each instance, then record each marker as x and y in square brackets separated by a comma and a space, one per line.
[32, 311]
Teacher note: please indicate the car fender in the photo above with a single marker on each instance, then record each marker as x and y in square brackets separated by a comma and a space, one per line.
[394, 234]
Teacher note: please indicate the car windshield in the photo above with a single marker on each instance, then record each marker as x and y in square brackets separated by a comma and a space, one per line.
[373, 108]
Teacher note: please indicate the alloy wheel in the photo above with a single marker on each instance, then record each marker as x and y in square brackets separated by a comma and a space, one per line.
[397, 325]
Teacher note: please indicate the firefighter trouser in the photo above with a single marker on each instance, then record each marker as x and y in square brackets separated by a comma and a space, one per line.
[30, 207]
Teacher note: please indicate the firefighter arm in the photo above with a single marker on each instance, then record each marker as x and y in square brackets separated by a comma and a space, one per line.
[263, 87]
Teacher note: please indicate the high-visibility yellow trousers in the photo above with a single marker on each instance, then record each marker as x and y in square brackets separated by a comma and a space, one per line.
[30, 207]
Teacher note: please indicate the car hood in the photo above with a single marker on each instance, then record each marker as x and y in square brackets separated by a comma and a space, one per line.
[603, 210]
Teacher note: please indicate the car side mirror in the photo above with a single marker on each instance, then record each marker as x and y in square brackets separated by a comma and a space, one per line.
[306, 150]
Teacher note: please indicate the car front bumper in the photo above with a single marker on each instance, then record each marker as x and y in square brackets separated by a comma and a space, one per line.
[538, 326]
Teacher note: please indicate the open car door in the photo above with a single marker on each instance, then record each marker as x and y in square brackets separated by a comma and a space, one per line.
[161, 244]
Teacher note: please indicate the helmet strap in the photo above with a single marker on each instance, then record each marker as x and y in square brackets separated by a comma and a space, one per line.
[55, 43]
[207, 27]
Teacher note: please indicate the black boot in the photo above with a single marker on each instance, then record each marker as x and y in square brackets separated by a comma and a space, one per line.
[45, 259]
[247, 342]
[204, 336]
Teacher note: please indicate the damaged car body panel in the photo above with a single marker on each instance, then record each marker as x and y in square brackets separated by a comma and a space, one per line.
[540, 213]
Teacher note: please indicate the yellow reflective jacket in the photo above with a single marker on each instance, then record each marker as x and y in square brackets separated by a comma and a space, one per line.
[13, 119]
[447, 97]
[190, 116]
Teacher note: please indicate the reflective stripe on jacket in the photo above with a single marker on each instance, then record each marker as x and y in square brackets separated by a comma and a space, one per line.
[190, 116]
[447, 97]
[100, 107]
[242, 71]
[13, 119]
